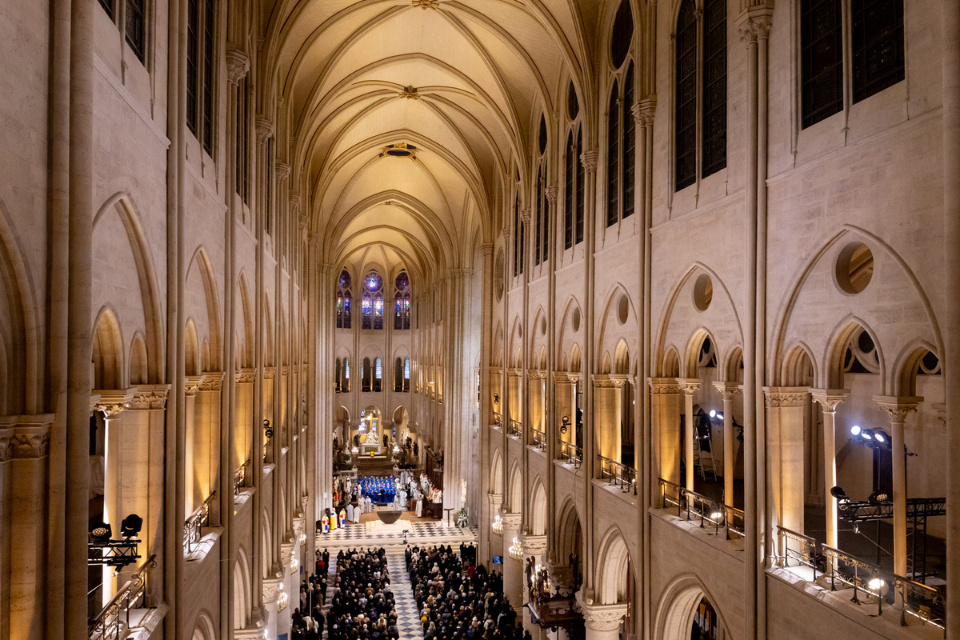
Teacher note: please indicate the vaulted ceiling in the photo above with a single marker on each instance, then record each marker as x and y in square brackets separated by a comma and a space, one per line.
[462, 81]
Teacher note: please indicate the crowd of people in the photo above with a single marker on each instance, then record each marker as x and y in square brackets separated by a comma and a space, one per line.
[459, 600]
[308, 617]
[362, 606]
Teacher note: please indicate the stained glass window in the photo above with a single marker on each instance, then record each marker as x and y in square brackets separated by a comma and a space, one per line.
[580, 186]
[629, 143]
[372, 301]
[569, 189]
[821, 66]
[613, 157]
[378, 311]
[136, 28]
[401, 318]
[367, 307]
[686, 97]
[538, 221]
[878, 56]
[373, 281]
[714, 87]
[343, 300]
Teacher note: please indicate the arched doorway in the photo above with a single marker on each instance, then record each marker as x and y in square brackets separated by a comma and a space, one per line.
[688, 612]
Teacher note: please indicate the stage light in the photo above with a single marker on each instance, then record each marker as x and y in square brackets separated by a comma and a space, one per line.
[881, 436]
[564, 424]
[101, 532]
[131, 525]
[713, 413]
[877, 585]
[878, 496]
[838, 493]
[867, 434]
[267, 430]
[720, 415]
[716, 516]
[855, 430]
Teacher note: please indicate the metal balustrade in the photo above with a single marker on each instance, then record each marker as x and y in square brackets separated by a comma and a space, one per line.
[695, 505]
[239, 477]
[197, 520]
[113, 621]
[539, 439]
[806, 553]
[619, 474]
[921, 601]
[497, 419]
[515, 428]
[571, 453]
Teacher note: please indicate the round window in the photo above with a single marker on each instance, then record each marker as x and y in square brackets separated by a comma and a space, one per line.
[703, 292]
[854, 269]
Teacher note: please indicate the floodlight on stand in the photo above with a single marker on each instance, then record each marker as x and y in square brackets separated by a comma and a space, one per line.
[866, 434]
[878, 497]
[713, 413]
[131, 526]
[838, 493]
[881, 436]
[564, 424]
[855, 430]
[720, 415]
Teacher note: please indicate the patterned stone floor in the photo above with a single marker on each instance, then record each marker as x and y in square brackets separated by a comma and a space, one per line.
[392, 535]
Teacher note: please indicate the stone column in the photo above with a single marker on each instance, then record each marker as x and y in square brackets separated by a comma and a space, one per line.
[192, 448]
[512, 569]
[111, 405]
[497, 548]
[486, 419]
[728, 391]
[607, 391]
[785, 454]
[828, 400]
[898, 408]
[689, 386]
[602, 621]
[665, 410]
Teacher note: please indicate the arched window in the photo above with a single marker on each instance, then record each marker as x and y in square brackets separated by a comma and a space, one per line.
[613, 156]
[708, 83]
[365, 376]
[378, 375]
[570, 189]
[345, 383]
[343, 300]
[539, 255]
[875, 33]
[372, 301]
[397, 375]
[336, 378]
[580, 187]
[406, 374]
[401, 317]
[573, 175]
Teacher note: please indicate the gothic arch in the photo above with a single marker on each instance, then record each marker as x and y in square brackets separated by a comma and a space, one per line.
[538, 509]
[515, 487]
[569, 530]
[691, 356]
[906, 365]
[108, 372]
[496, 473]
[613, 570]
[211, 302]
[242, 606]
[674, 616]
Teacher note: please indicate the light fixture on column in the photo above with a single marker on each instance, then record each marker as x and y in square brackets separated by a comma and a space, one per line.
[498, 525]
[267, 429]
[564, 424]
[282, 598]
[303, 539]
[516, 550]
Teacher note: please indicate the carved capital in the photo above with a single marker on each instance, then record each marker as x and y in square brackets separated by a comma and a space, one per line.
[238, 64]
[495, 499]
[264, 130]
[525, 215]
[728, 390]
[271, 588]
[246, 376]
[898, 407]
[303, 221]
[212, 381]
[192, 385]
[269, 372]
[25, 437]
[777, 397]
[829, 398]
[113, 402]
[149, 397]
[755, 25]
[601, 617]
[283, 171]
[486, 249]
[609, 380]
[689, 385]
[511, 522]
[664, 386]
[644, 111]
[551, 193]
[589, 160]
[533, 545]
[295, 200]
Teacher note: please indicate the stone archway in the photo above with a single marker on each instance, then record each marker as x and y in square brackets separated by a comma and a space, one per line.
[678, 606]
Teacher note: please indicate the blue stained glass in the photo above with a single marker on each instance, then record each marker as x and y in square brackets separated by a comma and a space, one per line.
[373, 281]
[378, 306]
[366, 305]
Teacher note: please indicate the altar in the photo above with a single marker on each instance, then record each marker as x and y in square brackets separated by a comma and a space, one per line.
[370, 442]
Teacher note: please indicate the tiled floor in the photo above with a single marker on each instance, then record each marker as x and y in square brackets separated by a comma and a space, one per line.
[408, 620]
[378, 533]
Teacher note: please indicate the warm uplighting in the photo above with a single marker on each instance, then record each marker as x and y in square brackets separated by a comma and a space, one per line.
[282, 599]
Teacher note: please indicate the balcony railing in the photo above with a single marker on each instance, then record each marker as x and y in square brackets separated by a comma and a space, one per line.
[239, 476]
[497, 419]
[839, 569]
[619, 474]
[571, 453]
[515, 428]
[114, 620]
[711, 514]
[804, 553]
[539, 439]
[197, 520]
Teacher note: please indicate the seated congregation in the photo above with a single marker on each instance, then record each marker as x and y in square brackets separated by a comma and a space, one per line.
[362, 607]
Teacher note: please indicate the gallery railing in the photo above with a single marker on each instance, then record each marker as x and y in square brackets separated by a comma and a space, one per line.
[515, 428]
[798, 547]
[114, 620]
[618, 474]
[921, 601]
[571, 453]
[239, 477]
[197, 520]
[697, 506]
[497, 419]
[539, 439]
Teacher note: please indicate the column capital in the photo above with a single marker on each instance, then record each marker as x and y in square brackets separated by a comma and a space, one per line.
[514, 373]
[283, 172]
[486, 249]
[269, 373]
[25, 437]
[664, 386]
[525, 215]
[690, 385]
[551, 193]
[495, 499]
[601, 617]
[246, 375]
[510, 521]
[589, 160]
[565, 377]
[754, 24]
[829, 398]
[609, 380]
[785, 396]
[728, 390]
[898, 407]
[264, 130]
[149, 397]
[536, 374]
[505, 234]
[113, 401]
[644, 111]
[211, 381]
[238, 65]
[191, 385]
[533, 545]
[271, 589]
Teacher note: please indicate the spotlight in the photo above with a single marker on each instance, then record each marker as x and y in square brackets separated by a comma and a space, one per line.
[713, 413]
[838, 493]
[131, 525]
[881, 436]
[267, 429]
[564, 424]
[867, 434]
[878, 496]
[855, 430]
[101, 532]
[720, 415]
